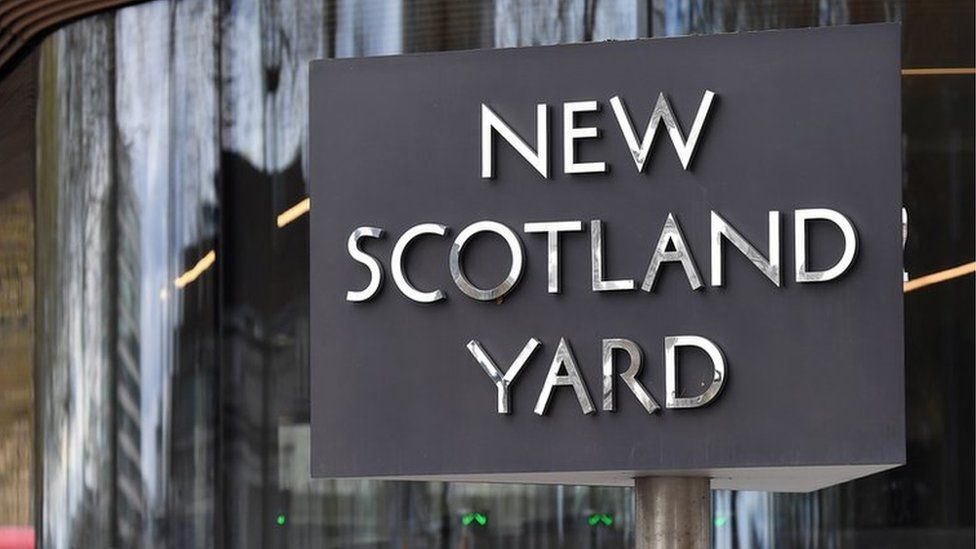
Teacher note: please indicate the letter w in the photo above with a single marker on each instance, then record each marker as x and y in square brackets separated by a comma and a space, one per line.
[662, 111]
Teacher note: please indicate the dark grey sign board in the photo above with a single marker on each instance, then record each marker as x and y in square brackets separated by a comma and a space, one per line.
[719, 216]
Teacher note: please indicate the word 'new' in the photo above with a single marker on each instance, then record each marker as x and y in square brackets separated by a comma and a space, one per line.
[640, 147]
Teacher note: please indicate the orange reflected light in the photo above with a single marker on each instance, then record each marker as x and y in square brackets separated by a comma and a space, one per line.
[937, 71]
[294, 212]
[205, 263]
[940, 276]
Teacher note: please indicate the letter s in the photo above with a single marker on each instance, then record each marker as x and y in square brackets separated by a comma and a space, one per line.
[375, 269]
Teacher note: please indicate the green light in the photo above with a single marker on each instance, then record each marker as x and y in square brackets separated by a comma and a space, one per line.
[607, 520]
[280, 520]
[721, 521]
[480, 518]
[594, 520]
[598, 518]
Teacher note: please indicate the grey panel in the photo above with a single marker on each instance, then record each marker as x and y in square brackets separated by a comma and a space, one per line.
[801, 119]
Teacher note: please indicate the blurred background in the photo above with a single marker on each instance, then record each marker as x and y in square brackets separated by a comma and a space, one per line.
[154, 283]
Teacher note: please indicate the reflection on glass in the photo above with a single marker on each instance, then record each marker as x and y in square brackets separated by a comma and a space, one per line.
[17, 363]
[176, 414]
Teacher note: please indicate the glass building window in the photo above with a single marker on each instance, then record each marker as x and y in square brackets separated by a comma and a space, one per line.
[166, 401]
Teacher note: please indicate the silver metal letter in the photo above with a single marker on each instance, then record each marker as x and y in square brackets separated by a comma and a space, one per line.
[571, 133]
[662, 112]
[629, 376]
[564, 359]
[503, 381]
[671, 234]
[596, 258]
[671, 371]
[553, 228]
[800, 218]
[375, 269]
[396, 262]
[457, 270]
[769, 267]
[539, 159]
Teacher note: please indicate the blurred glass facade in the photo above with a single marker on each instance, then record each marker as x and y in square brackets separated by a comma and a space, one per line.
[171, 357]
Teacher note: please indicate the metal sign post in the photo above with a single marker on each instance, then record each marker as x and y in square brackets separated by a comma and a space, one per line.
[673, 513]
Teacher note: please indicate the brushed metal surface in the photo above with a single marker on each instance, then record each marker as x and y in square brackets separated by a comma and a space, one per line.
[673, 513]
